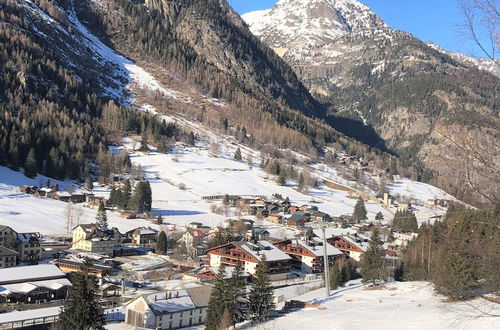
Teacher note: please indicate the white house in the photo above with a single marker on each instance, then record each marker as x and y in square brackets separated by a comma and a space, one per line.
[169, 310]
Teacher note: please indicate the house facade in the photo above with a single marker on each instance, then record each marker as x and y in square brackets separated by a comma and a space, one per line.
[308, 256]
[169, 310]
[353, 246]
[143, 236]
[30, 247]
[8, 257]
[193, 239]
[91, 238]
[250, 254]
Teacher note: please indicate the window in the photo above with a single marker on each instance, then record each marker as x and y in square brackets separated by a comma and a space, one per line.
[191, 312]
[199, 321]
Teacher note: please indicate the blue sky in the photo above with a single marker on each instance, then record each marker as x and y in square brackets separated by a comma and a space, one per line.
[428, 20]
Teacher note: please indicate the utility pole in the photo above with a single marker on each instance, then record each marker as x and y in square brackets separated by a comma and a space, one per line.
[325, 260]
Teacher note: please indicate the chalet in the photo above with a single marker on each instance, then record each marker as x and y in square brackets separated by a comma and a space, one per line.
[169, 310]
[247, 223]
[193, 239]
[210, 274]
[194, 225]
[273, 208]
[250, 254]
[308, 256]
[352, 245]
[295, 223]
[46, 192]
[8, 257]
[30, 284]
[298, 219]
[320, 216]
[142, 236]
[5, 231]
[29, 189]
[78, 196]
[261, 234]
[308, 208]
[30, 246]
[278, 219]
[62, 196]
[91, 238]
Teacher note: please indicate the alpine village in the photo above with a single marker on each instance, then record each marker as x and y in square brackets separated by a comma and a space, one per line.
[170, 164]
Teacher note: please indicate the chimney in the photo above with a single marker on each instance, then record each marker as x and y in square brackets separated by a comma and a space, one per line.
[177, 294]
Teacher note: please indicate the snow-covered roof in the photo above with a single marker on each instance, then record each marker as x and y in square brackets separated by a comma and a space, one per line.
[318, 250]
[63, 194]
[29, 273]
[29, 314]
[257, 250]
[160, 303]
[30, 286]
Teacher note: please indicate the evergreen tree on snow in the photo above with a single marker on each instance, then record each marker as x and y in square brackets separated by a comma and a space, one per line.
[101, 218]
[82, 309]
[261, 293]
[237, 304]
[371, 261]
[161, 243]
[30, 166]
[217, 304]
[89, 184]
[359, 213]
[237, 155]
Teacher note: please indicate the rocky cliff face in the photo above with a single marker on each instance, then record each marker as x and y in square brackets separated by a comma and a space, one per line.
[411, 93]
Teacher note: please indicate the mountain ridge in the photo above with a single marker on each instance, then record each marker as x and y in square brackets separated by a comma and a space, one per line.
[416, 97]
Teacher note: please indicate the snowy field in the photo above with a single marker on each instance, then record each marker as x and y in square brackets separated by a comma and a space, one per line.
[179, 179]
[402, 305]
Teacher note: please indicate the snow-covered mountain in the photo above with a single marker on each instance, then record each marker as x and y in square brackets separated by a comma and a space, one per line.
[312, 21]
[373, 76]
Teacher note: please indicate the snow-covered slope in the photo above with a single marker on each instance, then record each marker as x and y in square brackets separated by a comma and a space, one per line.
[481, 63]
[401, 305]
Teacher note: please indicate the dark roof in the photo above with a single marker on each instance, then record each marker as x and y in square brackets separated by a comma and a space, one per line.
[200, 295]
[299, 215]
[7, 252]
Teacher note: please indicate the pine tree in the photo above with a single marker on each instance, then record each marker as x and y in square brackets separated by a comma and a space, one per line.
[30, 166]
[379, 216]
[191, 139]
[226, 201]
[141, 199]
[282, 179]
[101, 217]
[371, 261]
[126, 195]
[335, 277]
[237, 304]
[82, 309]
[237, 154]
[301, 182]
[161, 243]
[359, 213]
[159, 220]
[261, 293]
[144, 144]
[405, 221]
[217, 304]
[390, 237]
[89, 184]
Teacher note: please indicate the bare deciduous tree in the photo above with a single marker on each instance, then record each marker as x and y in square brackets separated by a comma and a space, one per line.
[481, 24]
